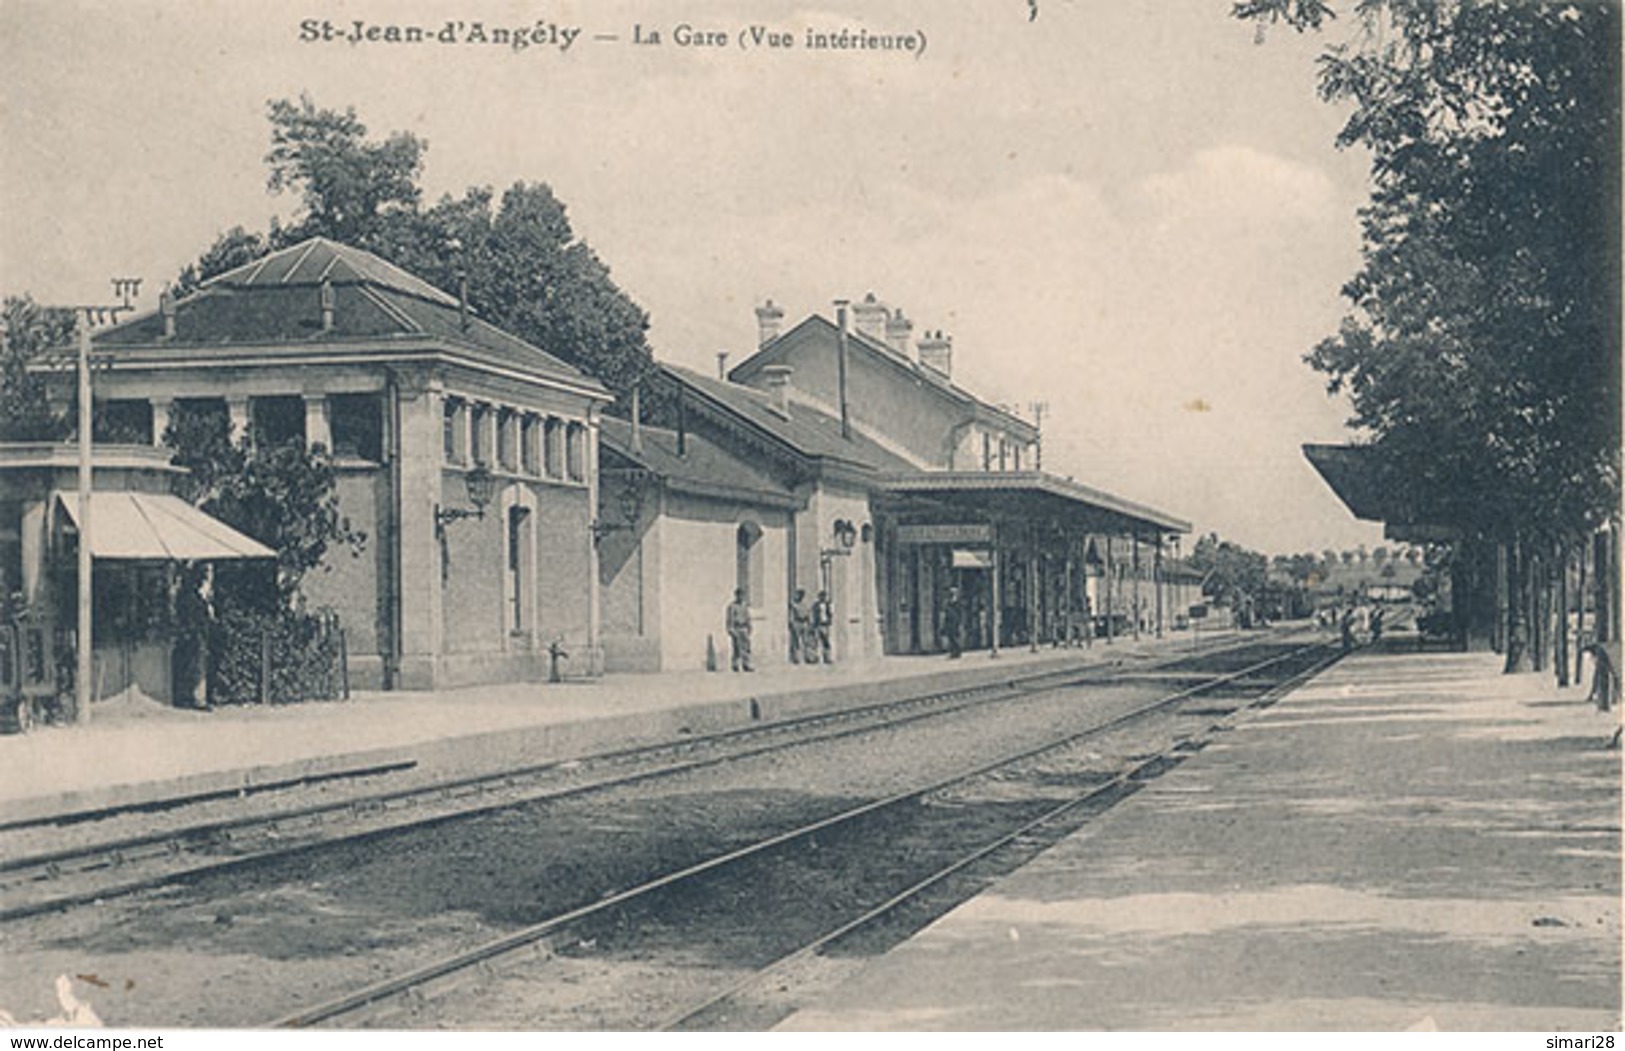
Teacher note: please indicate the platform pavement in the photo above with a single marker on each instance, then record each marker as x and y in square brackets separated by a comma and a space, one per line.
[134, 751]
[1410, 841]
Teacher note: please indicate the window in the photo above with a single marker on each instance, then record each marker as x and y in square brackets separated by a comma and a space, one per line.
[987, 451]
[518, 560]
[748, 562]
[456, 431]
[120, 420]
[508, 439]
[277, 419]
[529, 445]
[553, 442]
[1004, 455]
[479, 439]
[576, 452]
[1015, 452]
[357, 422]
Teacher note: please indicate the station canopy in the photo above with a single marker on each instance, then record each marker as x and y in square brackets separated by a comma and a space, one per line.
[1026, 496]
[136, 526]
[1351, 472]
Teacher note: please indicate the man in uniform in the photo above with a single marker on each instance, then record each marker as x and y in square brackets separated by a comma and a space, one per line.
[823, 618]
[953, 624]
[738, 624]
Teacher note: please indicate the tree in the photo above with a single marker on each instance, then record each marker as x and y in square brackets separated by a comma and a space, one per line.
[1234, 575]
[283, 495]
[521, 263]
[349, 186]
[1482, 352]
[28, 331]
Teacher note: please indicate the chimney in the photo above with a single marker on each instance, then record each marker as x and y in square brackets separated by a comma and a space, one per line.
[326, 294]
[937, 353]
[898, 331]
[722, 364]
[869, 317]
[840, 366]
[777, 378]
[637, 419]
[166, 306]
[769, 321]
[462, 300]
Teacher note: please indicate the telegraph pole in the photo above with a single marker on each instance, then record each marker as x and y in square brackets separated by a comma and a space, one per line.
[1039, 408]
[126, 289]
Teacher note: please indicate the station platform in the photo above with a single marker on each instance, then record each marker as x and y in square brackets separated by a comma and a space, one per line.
[1410, 841]
[136, 752]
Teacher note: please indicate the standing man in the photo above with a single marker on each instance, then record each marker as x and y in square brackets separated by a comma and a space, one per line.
[953, 624]
[823, 618]
[738, 624]
[800, 629]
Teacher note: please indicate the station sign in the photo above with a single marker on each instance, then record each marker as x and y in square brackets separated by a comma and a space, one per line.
[1199, 612]
[968, 533]
[972, 559]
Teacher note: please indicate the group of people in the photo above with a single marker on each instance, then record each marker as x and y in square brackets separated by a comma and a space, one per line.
[809, 630]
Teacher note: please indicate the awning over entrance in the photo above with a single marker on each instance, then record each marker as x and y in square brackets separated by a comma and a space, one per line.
[1351, 473]
[1033, 495]
[158, 527]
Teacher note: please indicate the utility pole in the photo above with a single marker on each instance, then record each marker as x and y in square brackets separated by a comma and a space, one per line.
[1039, 409]
[125, 289]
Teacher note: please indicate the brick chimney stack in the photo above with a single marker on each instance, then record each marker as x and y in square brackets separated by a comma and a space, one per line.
[937, 353]
[769, 322]
[899, 329]
[777, 378]
[869, 317]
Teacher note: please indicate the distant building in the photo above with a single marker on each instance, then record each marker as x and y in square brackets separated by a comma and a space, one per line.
[467, 456]
[875, 478]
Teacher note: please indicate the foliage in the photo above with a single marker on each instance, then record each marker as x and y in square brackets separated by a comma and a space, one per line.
[281, 495]
[1234, 575]
[1482, 353]
[29, 330]
[524, 268]
[291, 657]
[349, 185]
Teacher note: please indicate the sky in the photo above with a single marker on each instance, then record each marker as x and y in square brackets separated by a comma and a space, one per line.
[1132, 212]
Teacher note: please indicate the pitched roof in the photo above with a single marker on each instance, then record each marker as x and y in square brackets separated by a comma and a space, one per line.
[276, 300]
[806, 431]
[1036, 491]
[704, 468]
[776, 348]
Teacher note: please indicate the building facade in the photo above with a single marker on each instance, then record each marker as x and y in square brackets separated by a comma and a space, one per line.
[467, 457]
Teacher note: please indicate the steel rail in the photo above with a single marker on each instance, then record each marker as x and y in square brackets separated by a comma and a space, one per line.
[121, 853]
[535, 935]
[689, 1015]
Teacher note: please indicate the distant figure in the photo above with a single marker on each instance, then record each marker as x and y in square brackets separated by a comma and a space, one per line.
[1347, 628]
[1376, 625]
[823, 618]
[738, 624]
[800, 629]
[953, 624]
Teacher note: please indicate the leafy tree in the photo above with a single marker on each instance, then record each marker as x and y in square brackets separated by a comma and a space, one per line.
[349, 186]
[28, 331]
[1234, 575]
[524, 269]
[1482, 353]
[281, 495]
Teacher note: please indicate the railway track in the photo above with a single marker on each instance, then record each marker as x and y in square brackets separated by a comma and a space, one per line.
[916, 842]
[38, 883]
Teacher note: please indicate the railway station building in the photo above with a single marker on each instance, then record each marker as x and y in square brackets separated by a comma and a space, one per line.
[868, 474]
[467, 457]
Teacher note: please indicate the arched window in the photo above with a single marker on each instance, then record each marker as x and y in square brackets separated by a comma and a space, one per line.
[748, 562]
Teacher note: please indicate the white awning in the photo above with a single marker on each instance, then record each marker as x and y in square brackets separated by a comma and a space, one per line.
[157, 526]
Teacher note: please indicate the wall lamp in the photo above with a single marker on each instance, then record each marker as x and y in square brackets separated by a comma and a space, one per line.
[846, 533]
[630, 502]
[482, 487]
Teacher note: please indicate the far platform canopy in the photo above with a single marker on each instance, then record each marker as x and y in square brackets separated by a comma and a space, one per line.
[1351, 473]
[1031, 496]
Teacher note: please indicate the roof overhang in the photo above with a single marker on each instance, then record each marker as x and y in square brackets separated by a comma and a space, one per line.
[1032, 494]
[156, 527]
[1352, 473]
